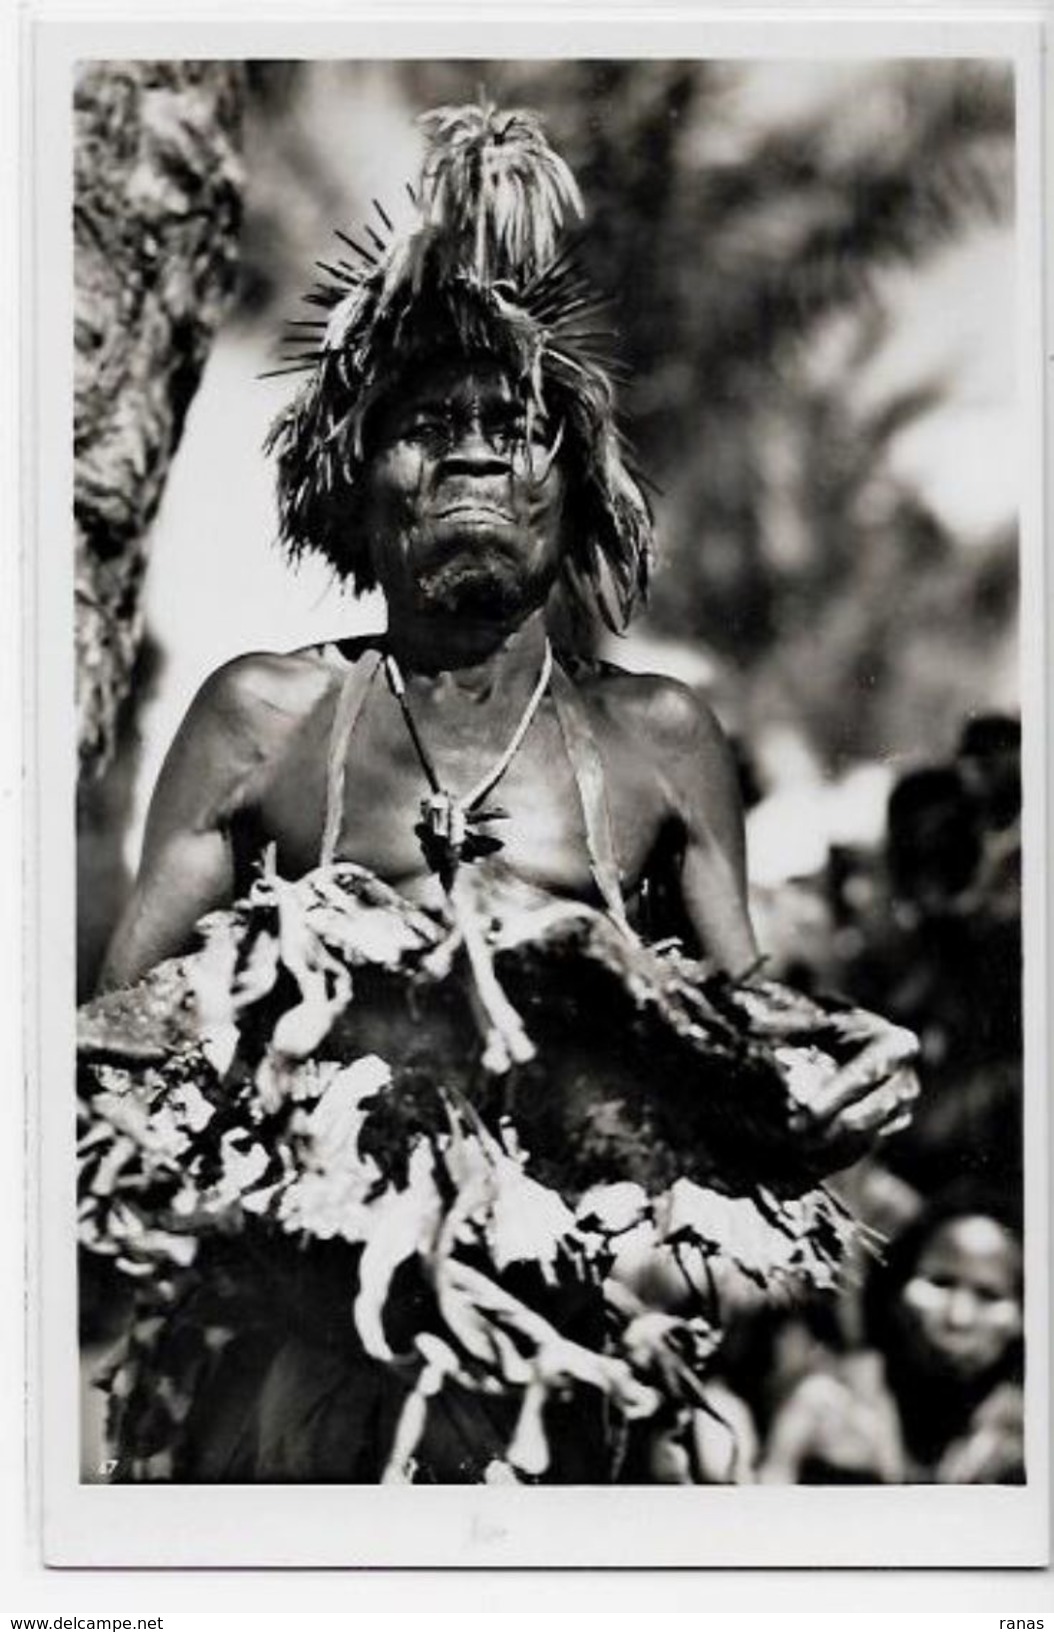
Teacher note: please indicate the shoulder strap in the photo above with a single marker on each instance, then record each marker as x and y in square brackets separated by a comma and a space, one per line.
[588, 769]
[353, 693]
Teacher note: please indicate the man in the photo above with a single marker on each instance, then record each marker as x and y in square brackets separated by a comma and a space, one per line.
[455, 444]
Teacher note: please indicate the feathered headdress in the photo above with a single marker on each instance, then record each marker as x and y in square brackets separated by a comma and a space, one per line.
[482, 271]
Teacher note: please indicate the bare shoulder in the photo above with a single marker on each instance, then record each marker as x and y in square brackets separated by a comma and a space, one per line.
[259, 685]
[679, 735]
[242, 717]
[664, 714]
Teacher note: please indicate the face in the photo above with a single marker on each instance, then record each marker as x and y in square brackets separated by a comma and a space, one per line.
[464, 496]
[962, 1307]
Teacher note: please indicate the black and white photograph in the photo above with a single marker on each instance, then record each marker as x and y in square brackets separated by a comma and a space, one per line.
[551, 727]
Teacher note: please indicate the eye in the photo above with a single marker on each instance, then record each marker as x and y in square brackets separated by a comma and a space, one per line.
[506, 425]
[426, 425]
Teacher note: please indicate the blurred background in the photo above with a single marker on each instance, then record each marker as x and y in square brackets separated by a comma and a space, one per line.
[811, 269]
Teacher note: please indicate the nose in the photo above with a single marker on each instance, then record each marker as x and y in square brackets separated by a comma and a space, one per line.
[960, 1309]
[475, 454]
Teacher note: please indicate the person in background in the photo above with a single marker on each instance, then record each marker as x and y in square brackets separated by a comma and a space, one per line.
[937, 1395]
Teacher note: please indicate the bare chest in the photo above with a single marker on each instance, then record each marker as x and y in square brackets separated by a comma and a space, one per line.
[377, 788]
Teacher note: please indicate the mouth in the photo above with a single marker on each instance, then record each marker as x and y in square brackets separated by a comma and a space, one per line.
[470, 510]
[476, 528]
[965, 1355]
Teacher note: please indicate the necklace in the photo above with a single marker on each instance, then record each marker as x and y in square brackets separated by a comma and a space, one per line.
[449, 826]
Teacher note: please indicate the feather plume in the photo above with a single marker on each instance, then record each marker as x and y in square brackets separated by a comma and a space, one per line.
[495, 191]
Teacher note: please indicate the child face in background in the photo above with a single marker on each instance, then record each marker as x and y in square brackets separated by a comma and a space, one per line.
[962, 1308]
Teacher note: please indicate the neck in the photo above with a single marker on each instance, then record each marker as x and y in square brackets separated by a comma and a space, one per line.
[477, 657]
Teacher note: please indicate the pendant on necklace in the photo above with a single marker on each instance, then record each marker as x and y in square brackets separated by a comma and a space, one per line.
[449, 829]
[449, 834]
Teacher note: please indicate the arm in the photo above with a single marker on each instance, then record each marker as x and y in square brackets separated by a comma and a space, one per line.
[992, 1449]
[870, 1097]
[187, 866]
[699, 771]
[845, 1420]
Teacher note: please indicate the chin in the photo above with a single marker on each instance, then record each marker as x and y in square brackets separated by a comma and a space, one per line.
[468, 590]
[961, 1365]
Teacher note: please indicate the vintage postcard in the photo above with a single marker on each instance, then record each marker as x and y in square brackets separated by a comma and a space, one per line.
[538, 748]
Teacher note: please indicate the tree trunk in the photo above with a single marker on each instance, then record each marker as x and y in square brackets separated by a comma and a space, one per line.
[157, 204]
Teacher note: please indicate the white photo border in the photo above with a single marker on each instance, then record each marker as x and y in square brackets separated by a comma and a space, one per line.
[481, 1527]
